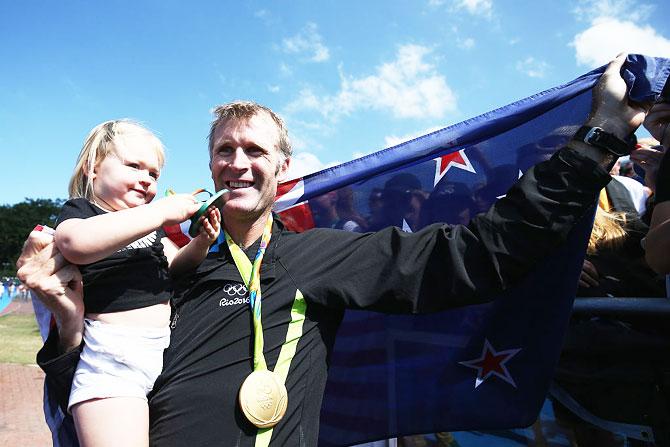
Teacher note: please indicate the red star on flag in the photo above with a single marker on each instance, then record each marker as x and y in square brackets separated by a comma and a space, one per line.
[455, 159]
[492, 363]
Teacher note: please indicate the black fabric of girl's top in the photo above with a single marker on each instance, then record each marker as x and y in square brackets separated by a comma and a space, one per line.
[135, 276]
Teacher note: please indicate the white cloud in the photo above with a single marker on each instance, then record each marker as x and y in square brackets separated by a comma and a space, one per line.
[532, 67]
[285, 70]
[303, 163]
[466, 44]
[302, 133]
[609, 36]
[408, 87]
[393, 140]
[307, 41]
[266, 17]
[483, 8]
[273, 88]
[358, 154]
[630, 10]
[262, 14]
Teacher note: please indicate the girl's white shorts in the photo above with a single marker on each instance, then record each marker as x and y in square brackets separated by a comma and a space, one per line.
[118, 361]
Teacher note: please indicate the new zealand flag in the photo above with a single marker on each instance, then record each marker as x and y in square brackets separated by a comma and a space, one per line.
[480, 367]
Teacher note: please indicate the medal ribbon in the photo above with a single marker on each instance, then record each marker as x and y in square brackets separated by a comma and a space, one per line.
[251, 276]
[252, 279]
[286, 354]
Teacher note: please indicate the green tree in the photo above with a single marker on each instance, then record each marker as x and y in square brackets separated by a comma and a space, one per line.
[16, 221]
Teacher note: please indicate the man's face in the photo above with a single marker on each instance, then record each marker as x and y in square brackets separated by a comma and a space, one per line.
[245, 159]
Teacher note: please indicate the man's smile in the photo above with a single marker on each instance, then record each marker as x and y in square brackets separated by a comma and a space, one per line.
[235, 184]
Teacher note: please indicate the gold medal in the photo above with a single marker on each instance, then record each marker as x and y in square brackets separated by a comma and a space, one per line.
[263, 398]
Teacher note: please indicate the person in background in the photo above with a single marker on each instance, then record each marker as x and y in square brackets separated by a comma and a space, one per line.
[461, 204]
[346, 209]
[326, 215]
[657, 242]
[402, 199]
[615, 263]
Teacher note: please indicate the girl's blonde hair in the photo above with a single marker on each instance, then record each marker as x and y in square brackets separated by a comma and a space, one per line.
[103, 141]
[608, 230]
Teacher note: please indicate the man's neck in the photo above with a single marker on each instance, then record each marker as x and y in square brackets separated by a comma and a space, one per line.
[245, 233]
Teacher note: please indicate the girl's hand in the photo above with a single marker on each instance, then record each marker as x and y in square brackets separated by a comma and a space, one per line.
[210, 225]
[176, 208]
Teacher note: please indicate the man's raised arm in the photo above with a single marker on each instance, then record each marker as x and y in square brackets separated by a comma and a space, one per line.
[611, 111]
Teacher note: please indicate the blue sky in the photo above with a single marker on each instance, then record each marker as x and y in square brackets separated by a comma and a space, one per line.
[349, 77]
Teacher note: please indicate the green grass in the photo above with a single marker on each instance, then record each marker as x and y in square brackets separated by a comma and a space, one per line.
[19, 339]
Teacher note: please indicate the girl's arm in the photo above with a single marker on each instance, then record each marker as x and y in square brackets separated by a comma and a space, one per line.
[189, 256]
[83, 241]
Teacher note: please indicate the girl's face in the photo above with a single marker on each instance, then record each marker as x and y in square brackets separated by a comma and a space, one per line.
[127, 177]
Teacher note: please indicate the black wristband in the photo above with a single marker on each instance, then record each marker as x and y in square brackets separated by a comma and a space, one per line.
[597, 137]
[662, 193]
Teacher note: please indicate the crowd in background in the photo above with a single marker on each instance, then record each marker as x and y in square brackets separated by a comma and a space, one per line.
[12, 288]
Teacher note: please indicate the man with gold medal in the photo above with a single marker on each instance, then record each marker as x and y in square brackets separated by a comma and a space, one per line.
[254, 324]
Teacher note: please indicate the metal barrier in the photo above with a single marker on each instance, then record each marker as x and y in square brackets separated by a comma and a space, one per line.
[622, 307]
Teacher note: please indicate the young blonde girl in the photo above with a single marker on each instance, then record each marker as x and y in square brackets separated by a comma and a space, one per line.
[111, 228]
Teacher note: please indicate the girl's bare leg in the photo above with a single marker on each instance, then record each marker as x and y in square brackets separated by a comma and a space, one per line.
[112, 422]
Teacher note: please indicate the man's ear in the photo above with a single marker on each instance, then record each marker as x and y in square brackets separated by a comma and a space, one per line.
[282, 169]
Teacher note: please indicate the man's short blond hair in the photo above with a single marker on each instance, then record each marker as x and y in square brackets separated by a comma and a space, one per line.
[245, 110]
